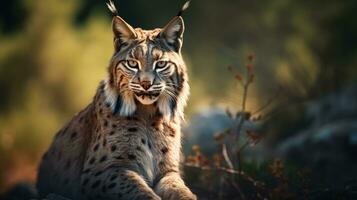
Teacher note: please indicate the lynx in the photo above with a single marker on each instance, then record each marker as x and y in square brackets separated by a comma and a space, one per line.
[126, 143]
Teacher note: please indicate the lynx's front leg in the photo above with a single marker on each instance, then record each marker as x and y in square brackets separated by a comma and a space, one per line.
[172, 187]
[116, 184]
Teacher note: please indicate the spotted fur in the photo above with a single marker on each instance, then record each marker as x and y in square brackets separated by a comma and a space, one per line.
[126, 144]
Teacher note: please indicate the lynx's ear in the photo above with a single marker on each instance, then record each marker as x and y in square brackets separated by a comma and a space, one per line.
[172, 33]
[123, 32]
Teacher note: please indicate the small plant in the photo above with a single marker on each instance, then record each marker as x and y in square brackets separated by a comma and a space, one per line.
[224, 174]
[228, 161]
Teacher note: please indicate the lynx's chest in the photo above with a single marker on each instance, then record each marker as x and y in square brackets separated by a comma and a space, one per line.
[150, 147]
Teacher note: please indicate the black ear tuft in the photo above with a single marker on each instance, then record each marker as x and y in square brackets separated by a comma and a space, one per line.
[112, 8]
[184, 7]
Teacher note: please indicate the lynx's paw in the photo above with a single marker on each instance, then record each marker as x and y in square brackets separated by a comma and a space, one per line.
[178, 195]
[172, 187]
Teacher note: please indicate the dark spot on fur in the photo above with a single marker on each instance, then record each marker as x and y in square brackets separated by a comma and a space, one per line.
[86, 121]
[131, 156]
[107, 105]
[85, 182]
[95, 184]
[139, 148]
[111, 133]
[105, 124]
[102, 86]
[104, 142]
[143, 141]
[149, 144]
[96, 147]
[114, 126]
[119, 157]
[157, 124]
[111, 185]
[113, 177]
[103, 158]
[132, 129]
[132, 118]
[100, 111]
[161, 162]
[73, 135]
[159, 115]
[130, 189]
[80, 119]
[92, 160]
[164, 150]
[172, 131]
[113, 148]
[98, 173]
[108, 116]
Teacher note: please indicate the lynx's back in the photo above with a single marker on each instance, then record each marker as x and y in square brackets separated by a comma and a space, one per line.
[61, 165]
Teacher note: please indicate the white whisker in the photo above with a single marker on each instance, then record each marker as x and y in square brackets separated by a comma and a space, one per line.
[171, 94]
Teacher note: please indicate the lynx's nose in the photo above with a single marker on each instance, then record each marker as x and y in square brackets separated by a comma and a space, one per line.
[145, 84]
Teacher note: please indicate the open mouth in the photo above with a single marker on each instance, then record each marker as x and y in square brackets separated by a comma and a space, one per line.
[149, 95]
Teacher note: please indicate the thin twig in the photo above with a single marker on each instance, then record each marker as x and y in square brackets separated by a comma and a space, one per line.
[243, 146]
[230, 171]
[268, 103]
[241, 122]
[226, 157]
[245, 95]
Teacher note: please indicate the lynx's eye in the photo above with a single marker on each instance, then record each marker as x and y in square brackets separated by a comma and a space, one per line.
[161, 65]
[133, 65]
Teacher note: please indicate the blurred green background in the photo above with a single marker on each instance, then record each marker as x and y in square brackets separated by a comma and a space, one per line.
[53, 54]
